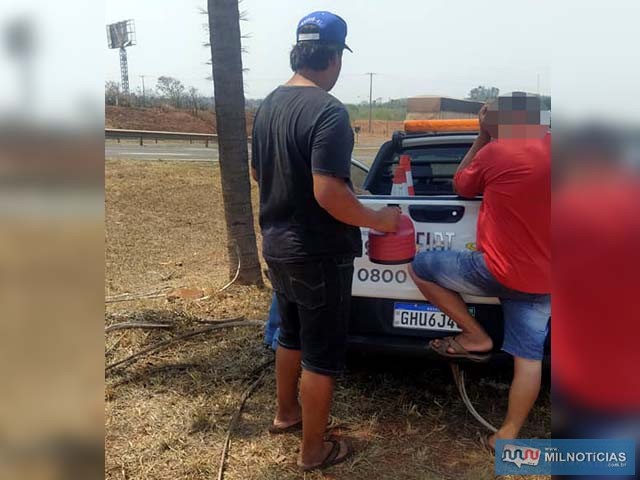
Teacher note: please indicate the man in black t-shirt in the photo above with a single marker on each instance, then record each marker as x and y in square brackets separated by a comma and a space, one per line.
[309, 216]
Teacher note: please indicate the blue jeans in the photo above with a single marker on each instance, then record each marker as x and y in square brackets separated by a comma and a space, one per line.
[272, 327]
[526, 315]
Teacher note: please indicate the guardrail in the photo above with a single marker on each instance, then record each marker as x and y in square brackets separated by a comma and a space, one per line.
[142, 135]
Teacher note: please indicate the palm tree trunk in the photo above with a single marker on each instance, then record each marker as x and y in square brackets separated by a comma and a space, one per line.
[226, 59]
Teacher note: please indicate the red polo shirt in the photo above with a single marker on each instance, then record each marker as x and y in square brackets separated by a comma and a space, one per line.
[514, 224]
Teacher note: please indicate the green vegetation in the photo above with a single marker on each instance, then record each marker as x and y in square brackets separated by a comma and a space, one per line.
[393, 110]
[483, 94]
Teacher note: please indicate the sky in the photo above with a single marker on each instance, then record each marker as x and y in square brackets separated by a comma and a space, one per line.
[582, 52]
[416, 47]
[68, 73]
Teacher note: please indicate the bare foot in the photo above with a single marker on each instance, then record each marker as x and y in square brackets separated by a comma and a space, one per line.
[284, 421]
[499, 436]
[492, 441]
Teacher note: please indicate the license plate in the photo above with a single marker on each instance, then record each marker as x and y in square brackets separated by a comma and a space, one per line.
[423, 316]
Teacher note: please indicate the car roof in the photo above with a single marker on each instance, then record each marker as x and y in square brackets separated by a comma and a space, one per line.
[403, 140]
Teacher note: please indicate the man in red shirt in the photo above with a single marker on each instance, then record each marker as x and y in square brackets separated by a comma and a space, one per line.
[510, 165]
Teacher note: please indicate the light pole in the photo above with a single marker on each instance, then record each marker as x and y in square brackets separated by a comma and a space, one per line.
[122, 35]
[20, 41]
[371, 74]
[144, 99]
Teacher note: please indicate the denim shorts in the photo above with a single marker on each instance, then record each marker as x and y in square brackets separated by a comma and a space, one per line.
[314, 300]
[526, 315]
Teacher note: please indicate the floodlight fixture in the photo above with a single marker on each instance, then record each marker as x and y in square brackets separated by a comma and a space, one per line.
[121, 35]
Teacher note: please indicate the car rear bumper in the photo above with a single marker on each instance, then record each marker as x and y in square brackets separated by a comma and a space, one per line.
[397, 346]
[371, 329]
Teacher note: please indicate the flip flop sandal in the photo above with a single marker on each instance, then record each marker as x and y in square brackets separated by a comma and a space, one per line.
[460, 351]
[275, 430]
[332, 457]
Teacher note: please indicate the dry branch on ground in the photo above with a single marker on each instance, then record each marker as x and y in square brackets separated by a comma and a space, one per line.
[166, 415]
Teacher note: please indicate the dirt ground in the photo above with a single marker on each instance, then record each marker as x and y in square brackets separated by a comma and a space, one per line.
[164, 119]
[167, 414]
[379, 128]
[169, 119]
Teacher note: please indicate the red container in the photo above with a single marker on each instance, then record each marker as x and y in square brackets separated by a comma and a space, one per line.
[393, 248]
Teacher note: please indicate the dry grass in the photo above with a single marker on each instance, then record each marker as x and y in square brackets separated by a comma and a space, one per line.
[166, 415]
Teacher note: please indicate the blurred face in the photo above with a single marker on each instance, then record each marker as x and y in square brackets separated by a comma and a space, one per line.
[492, 119]
[504, 121]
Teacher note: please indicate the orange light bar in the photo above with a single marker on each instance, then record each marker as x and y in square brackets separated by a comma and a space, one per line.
[442, 125]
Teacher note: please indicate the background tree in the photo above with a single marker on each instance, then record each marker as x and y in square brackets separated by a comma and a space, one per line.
[226, 60]
[483, 94]
[172, 89]
[111, 93]
[194, 99]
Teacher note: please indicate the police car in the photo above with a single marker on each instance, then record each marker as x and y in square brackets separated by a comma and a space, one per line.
[388, 311]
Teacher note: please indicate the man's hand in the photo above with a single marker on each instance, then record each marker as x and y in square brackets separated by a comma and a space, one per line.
[387, 219]
[481, 140]
[334, 195]
[482, 119]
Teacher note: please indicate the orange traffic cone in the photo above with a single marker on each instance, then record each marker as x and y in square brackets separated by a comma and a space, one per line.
[399, 187]
[405, 163]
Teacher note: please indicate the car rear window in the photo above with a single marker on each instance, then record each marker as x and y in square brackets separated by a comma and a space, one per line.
[432, 168]
[358, 176]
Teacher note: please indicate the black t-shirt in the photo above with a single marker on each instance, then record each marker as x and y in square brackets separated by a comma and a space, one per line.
[299, 131]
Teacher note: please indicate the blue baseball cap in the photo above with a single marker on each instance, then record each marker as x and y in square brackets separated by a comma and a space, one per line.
[327, 28]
